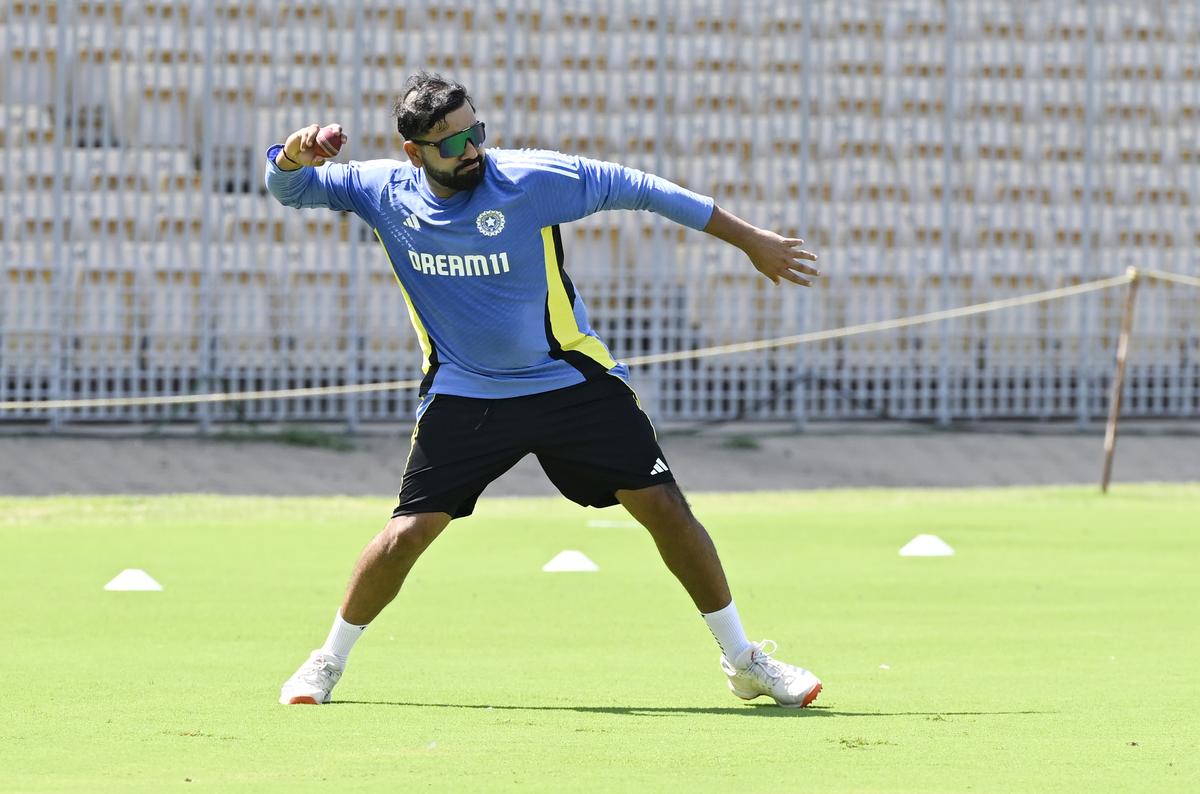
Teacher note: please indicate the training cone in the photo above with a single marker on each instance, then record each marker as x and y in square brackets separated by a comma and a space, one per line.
[133, 579]
[926, 546]
[566, 561]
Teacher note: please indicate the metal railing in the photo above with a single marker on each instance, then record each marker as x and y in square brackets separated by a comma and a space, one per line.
[936, 155]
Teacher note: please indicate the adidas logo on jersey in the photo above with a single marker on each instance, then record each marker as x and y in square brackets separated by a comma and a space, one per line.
[659, 467]
[411, 222]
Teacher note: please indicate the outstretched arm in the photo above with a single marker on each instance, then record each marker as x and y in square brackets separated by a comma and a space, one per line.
[774, 256]
[336, 186]
[566, 188]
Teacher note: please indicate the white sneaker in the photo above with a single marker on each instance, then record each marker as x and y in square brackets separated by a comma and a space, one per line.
[755, 673]
[314, 681]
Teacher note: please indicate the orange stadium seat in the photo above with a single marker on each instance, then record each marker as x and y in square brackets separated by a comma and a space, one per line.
[592, 251]
[106, 315]
[171, 12]
[255, 227]
[315, 315]
[98, 216]
[387, 333]
[28, 301]
[788, 19]
[386, 16]
[459, 14]
[173, 316]
[107, 170]
[176, 216]
[160, 169]
[29, 62]
[242, 43]
[781, 58]
[248, 309]
[26, 125]
[36, 169]
[241, 13]
[383, 48]
[739, 299]
[155, 104]
[31, 217]
[325, 226]
[306, 14]
[871, 296]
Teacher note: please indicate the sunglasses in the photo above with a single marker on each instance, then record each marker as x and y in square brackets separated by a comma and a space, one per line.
[454, 145]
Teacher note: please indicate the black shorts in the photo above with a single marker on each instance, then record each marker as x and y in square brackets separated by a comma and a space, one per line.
[591, 439]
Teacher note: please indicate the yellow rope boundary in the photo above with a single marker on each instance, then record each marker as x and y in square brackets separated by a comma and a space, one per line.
[1162, 275]
[887, 325]
[704, 352]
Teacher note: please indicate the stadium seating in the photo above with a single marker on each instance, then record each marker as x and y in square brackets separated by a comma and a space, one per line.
[29, 311]
[172, 296]
[104, 331]
[919, 180]
[247, 314]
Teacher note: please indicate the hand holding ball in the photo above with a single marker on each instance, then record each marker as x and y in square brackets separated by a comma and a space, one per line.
[313, 145]
[330, 140]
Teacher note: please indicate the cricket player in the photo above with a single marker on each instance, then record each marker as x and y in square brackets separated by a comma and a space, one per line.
[511, 363]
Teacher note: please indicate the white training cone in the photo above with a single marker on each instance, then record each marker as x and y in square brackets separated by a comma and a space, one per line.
[570, 561]
[133, 579]
[926, 546]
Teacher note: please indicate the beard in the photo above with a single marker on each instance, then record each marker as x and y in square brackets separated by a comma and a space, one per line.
[458, 179]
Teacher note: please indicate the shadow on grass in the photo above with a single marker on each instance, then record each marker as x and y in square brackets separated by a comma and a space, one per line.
[748, 710]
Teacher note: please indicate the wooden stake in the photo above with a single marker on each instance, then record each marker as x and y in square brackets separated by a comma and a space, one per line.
[1114, 400]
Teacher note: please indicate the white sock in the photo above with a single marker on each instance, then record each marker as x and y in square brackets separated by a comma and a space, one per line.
[726, 626]
[341, 638]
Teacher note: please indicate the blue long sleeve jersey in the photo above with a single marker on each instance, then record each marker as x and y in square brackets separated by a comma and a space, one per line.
[482, 271]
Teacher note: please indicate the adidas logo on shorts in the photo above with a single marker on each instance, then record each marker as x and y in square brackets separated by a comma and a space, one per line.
[659, 466]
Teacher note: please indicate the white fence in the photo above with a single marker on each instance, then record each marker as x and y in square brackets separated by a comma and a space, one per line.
[934, 154]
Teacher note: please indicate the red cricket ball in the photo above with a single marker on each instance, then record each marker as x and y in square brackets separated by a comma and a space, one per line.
[329, 140]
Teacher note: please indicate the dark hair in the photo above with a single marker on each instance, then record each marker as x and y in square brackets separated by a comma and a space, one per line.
[426, 101]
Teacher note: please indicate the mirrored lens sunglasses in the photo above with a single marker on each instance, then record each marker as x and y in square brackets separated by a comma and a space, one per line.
[454, 145]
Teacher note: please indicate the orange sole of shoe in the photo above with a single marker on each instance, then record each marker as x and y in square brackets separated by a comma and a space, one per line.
[809, 698]
[303, 700]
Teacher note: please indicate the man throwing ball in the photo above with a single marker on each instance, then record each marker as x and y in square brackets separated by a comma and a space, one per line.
[512, 365]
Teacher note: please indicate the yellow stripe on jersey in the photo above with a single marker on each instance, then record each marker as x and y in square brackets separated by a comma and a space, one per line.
[562, 315]
[638, 402]
[418, 326]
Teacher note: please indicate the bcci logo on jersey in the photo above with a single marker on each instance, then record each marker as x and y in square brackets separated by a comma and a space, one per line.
[490, 222]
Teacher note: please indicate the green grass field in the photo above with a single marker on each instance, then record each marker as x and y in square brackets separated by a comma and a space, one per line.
[1058, 650]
